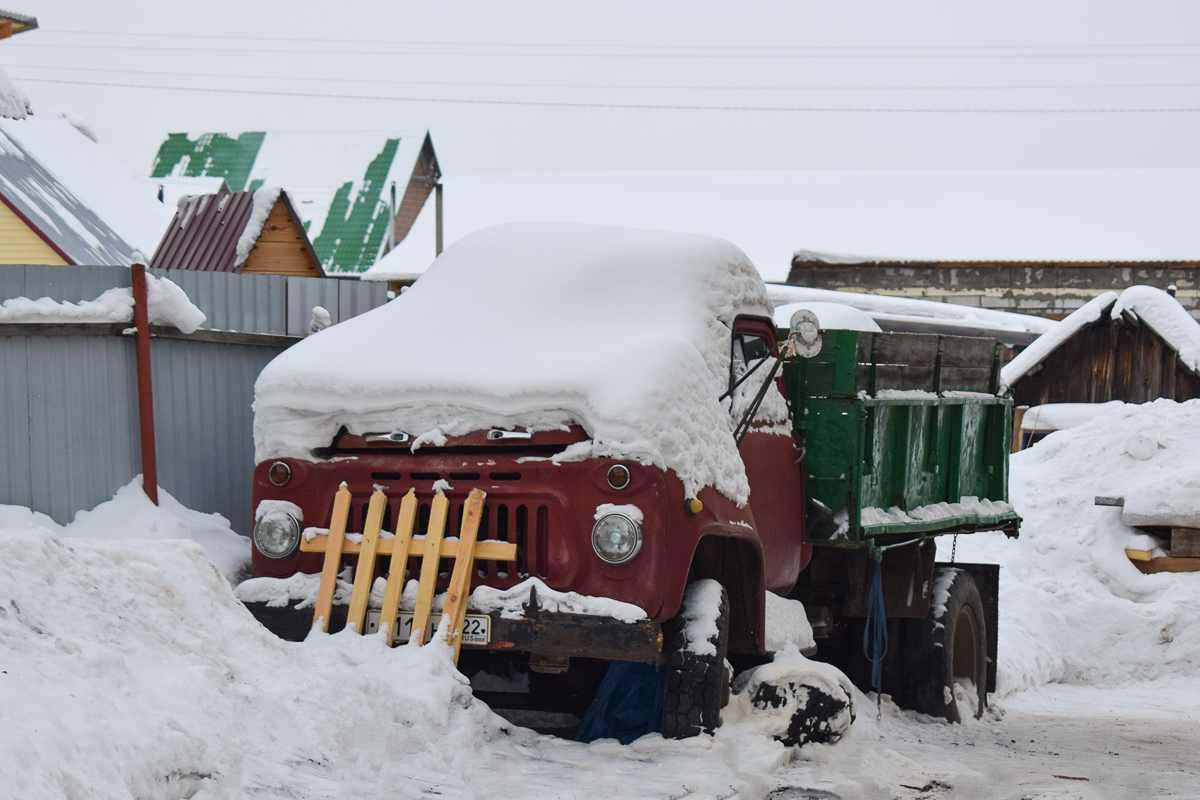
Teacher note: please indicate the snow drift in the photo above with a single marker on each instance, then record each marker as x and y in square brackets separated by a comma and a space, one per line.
[1073, 609]
[538, 325]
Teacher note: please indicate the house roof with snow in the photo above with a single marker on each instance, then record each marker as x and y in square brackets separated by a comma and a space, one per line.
[256, 232]
[44, 222]
[1136, 346]
[357, 194]
[66, 200]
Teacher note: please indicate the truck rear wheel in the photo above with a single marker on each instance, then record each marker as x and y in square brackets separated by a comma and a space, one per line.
[947, 649]
[695, 642]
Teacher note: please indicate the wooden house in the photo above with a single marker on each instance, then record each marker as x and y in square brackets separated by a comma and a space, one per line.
[1135, 347]
[255, 232]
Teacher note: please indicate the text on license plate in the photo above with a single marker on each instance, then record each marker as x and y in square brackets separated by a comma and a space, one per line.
[477, 628]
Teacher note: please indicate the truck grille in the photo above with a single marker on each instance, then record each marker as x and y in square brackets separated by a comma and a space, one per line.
[526, 524]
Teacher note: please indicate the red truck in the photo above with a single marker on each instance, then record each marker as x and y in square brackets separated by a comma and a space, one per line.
[628, 404]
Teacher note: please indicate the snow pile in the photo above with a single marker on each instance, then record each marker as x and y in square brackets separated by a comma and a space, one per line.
[13, 102]
[131, 670]
[1072, 606]
[166, 302]
[832, 316]
[131, 515]
[787, 625]
[264, 201]
[1166, 317]
[1060, 416]
[539, 326]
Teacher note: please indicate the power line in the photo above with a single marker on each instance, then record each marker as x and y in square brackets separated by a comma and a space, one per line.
[724, 56]
[666, 107]
[411, 42]
[512, 85]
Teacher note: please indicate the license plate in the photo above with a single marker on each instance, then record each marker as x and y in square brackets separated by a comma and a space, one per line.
[477, 628]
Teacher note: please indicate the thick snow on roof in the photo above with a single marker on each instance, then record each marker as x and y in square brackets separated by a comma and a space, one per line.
[1154, 307]
[882, 307]
[831, 316]
[13, 102]
[95, 179]
[1163, 314]
[1050, 341]
[537, 325]
[1021, 215]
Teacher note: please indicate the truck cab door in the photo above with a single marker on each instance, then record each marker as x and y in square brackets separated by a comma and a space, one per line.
[770, 453]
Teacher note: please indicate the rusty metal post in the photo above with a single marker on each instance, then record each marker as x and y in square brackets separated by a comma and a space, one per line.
[141, 319]
[437, 199]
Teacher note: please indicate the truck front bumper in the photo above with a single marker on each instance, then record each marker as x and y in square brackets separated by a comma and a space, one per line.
[541, 633]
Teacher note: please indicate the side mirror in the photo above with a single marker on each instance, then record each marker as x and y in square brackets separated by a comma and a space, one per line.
[804, 338]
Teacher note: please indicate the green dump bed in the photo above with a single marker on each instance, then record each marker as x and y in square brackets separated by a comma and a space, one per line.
[904, 435]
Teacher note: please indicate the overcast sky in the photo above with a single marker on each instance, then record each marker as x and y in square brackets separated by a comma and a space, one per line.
[527, 86]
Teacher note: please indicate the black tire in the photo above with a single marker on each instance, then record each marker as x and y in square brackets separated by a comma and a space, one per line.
[695, 686]
[950, 643]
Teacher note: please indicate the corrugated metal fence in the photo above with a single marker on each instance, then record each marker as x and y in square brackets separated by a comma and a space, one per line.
[69, 437]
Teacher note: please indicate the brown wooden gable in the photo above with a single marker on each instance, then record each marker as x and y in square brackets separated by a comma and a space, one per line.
[1103, 361]
[283, 247]
[426, 174]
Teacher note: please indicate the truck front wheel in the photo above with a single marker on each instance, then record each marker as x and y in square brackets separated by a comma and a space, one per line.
[694, 646]
[947, 650]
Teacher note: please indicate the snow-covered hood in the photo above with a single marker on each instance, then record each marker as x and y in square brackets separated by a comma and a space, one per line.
[537, 325]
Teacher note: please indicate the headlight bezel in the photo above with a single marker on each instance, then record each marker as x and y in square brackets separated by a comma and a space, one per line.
[268, 524]
[638, 536]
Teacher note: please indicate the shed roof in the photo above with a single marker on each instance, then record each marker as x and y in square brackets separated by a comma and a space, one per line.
[349, 188]
[207, 230]
[1159, 311]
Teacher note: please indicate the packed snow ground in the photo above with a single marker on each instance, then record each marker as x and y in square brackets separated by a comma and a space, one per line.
[129, 669]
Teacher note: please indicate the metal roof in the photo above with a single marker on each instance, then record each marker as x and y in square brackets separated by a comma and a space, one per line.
[54, 212]
[20, 22]
[205, 231]
[358, 191]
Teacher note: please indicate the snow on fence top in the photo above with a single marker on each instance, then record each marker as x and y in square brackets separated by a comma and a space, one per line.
[538, 325]
[1153, 307]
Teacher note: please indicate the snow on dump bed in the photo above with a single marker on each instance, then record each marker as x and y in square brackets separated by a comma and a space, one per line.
[1073, 608]
[538, 325]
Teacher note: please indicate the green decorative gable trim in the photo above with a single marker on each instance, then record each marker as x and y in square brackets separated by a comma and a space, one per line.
[354, 228]
[209, 155]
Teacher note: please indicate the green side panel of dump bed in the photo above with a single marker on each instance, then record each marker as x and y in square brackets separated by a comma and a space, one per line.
[901, 420]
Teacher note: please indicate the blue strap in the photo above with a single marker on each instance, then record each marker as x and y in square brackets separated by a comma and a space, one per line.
[875, 639]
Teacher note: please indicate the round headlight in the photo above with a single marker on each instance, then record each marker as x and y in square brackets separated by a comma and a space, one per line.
[277, 534]
[618, 476]
[616, 538]
[279, 473]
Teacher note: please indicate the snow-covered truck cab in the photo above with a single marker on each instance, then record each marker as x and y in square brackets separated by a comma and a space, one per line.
[608, 390]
